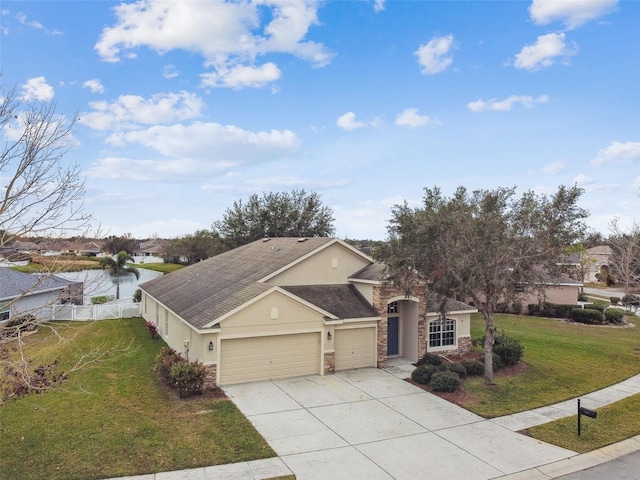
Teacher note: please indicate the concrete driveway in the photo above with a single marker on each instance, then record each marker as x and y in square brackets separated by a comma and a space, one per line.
[371, 424]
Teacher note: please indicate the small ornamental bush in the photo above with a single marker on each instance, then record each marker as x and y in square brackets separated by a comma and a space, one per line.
[153, 330]
[582, 297]
[599, 305]
[137, 296]
[508, 349]
[473, 367]
[614, 300]
[587, 315]
[615, 315]
[188, 378]
[430, 359]
[423, 373]
[165, 360]
[445, 382]
[458, 368]
[497, 362]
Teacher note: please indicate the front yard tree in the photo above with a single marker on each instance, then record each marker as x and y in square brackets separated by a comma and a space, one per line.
[40, 195]
[625, 254]
[484, 246]
[117, 266]
[283, 214]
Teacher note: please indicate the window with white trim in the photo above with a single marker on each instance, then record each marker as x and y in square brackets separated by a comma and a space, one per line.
[442, 334]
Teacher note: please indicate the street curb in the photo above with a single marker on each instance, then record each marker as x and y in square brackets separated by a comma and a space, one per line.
[579, 462]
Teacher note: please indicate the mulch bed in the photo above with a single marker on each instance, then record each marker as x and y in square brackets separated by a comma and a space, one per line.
[462, 397]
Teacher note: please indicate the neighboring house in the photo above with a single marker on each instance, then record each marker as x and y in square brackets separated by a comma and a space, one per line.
[151, 251]
[598, 263]
[22, 293]
[285, 307]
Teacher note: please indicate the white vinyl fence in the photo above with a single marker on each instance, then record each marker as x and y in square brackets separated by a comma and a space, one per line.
[93, 312]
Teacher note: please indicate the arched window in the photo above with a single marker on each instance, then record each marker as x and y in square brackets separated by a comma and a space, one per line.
[442, 333]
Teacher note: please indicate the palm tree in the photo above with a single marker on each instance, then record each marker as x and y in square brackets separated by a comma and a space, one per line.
[118, 266]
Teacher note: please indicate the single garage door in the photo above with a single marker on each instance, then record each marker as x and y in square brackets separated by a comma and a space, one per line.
[264, 358]
[355, 348]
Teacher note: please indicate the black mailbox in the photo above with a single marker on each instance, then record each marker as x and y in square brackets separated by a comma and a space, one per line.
[587, 413]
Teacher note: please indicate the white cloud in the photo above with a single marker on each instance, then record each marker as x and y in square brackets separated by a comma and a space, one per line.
[290, 182]
[242, 76]
[573, 13]
[542, 54]
[411, 118]
[553, 168]
[195, 151]
[348, 122]
[583, 180]
[170, 71]
[37, 89]
[507, 104]
[229, 35]
[94, 85]
[129, 111]
[378, 5]
[618, 152]
[434, 57]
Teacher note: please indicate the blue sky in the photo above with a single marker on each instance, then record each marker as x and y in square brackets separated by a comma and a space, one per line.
[187, 106]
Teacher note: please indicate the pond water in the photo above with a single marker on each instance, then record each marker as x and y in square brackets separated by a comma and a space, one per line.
[99, 282]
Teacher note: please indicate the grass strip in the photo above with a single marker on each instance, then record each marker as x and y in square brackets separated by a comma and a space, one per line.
[616, 422]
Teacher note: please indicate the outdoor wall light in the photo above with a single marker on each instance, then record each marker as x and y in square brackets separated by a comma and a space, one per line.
[211, 345]
[328, 335]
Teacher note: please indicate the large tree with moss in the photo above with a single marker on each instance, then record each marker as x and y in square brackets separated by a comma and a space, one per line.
[485, 245]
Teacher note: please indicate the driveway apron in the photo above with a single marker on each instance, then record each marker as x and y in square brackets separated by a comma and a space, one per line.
[368, 423]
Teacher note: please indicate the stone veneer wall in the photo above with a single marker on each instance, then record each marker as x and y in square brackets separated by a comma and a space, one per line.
[210, 379]
[381, 295]
[329, 363]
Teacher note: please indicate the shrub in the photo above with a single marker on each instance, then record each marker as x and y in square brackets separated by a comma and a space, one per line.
[137, 296]
[497, 362]
[153, 330]
[430, 359]
[582, 297]
[587, 315]
[614, 300]
[508, 349]
[188, 378]
[100, 299]
[445, 382]
[165, 361]
[473, 367]
[534, 309]
[457, 368]
[423, 374]
[630, 300]
[615, 315]
[599, 305]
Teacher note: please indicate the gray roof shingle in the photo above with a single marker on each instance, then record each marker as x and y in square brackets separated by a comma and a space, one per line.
[343, 301]
[14, 284]
[204, 292]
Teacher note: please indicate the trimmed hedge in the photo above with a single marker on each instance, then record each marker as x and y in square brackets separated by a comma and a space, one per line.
[589, 316]
[473, 367]
[508, 349]
[615, 315]
[550, 310]
[423, 373]
[430, 359]
[445, 381]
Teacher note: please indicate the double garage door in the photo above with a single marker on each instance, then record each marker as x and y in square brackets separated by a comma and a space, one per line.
[281, 356]
[265, 358]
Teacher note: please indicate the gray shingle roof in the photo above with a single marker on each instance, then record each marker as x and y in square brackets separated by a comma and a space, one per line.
[14, 283]
[343, 301]
[203, 292]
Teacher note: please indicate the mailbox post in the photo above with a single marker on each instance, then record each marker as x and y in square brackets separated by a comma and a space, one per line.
[586, 412]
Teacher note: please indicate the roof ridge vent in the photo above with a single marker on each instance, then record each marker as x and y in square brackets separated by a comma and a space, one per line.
[302, 239]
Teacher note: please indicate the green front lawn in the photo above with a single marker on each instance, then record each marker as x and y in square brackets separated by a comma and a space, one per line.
[565, 360]
[115, 418]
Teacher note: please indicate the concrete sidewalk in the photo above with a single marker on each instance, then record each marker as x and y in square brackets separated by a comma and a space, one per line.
[371, 423]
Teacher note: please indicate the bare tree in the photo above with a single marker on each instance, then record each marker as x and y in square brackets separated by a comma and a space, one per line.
[625, 254]
[40, 194]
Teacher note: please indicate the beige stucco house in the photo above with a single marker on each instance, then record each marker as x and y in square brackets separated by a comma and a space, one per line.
[284, 307]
